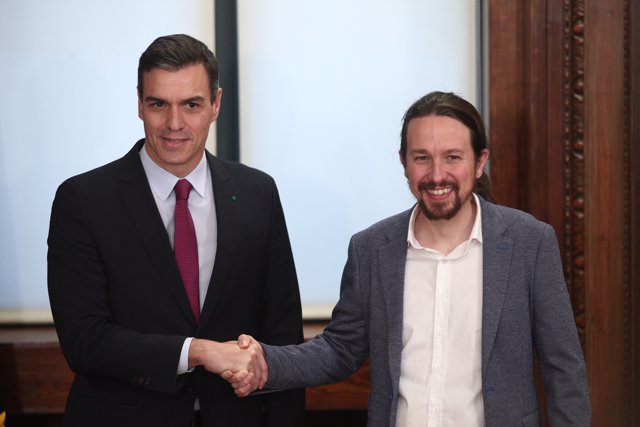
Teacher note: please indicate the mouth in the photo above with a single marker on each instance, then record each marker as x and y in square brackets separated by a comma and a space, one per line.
[439, 192]
[173, 141]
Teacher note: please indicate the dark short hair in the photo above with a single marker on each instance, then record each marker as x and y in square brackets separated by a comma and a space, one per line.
[451, 105]
[175, 52]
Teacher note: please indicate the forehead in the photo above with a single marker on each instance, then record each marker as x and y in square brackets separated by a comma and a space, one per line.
[186, 81]
[438, 132]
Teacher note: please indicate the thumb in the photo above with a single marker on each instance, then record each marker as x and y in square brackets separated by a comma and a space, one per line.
[244, 341]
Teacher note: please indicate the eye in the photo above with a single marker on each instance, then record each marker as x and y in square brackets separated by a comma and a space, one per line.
[453, 157]
[192, 105]
[158, 104]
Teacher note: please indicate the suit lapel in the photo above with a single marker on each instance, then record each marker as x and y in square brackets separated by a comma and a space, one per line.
[137, 199]
[391, 261]
[227, 205]
[497, 253]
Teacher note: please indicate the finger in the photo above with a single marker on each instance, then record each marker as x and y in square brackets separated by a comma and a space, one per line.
[264, 377]
[240, 378]
[244, 341]
[226, 375]
[247, 380]
[262, 372]
[244, 390]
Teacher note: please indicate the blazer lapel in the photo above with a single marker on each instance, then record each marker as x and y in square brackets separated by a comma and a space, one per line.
[497, 253]
[227, 205]
[391, 263]
[137, 199]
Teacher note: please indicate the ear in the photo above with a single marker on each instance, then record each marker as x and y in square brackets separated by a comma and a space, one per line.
[482, 161]
[139, 107]
[403, 160]
[216, 105]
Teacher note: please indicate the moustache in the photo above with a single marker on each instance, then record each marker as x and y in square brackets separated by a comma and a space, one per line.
[426, 186]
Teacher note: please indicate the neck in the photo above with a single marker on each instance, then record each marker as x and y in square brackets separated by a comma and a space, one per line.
[444, 235]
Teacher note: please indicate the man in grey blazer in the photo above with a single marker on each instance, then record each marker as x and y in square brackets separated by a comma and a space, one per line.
[449, 300]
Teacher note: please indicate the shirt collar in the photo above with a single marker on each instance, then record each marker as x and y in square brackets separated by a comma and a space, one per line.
[476, 231]
[162, 182]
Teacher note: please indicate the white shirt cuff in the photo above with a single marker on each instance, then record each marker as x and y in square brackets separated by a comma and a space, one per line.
[183, 364]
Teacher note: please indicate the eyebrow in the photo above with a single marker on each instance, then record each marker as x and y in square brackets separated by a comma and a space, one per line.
[446, 152]
[153, 99]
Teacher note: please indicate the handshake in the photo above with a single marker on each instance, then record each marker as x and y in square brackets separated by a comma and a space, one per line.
[241, 362]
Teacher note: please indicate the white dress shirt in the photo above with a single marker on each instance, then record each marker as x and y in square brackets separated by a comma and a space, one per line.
[203, 212]
[440, 370]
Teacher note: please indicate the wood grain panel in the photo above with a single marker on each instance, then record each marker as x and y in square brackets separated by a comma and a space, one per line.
[36, 378]
[606, 212]
[578, 127]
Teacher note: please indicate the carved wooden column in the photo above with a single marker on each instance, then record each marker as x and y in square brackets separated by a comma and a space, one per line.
[564, 113]
[607, 209]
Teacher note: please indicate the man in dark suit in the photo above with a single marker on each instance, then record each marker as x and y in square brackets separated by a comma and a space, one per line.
[450, 300]
[145, 349]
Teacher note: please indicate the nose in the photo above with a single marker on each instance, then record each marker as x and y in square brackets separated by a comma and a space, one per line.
[174, 119]
[437, 170]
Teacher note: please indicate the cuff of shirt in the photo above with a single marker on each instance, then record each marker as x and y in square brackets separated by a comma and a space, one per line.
[183, 364]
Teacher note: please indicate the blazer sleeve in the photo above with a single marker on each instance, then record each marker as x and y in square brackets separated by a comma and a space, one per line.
[556, 340]
[80, 301]
[334, 354]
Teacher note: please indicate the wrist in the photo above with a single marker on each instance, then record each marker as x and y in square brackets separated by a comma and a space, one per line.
[196, 350]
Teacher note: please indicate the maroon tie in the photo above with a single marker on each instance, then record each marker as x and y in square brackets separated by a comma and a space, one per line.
[185, 246]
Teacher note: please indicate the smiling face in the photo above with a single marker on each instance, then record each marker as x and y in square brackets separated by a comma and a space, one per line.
[177, 110]
[440, 165]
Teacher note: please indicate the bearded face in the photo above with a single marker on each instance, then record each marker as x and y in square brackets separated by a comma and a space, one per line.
[440, 165]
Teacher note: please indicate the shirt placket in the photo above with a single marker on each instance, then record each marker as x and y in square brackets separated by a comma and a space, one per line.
[440, 331]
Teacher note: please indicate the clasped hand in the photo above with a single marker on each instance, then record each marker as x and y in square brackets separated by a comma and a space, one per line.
[245, 381]
[240, 362]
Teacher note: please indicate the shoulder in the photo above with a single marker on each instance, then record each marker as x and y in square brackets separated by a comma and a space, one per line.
[514, 222]
[388, 229]
[239, 172]
[126, 168]
[96, 180]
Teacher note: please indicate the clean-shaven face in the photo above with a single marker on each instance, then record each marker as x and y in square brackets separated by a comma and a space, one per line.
[177, 111]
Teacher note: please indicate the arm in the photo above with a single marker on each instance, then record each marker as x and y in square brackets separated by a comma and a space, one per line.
[110, 321]
[79, 293]
[556, 339]
[336, 353]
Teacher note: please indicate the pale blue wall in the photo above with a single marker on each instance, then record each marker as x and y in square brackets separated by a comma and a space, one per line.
[323, 87]
[68, 104]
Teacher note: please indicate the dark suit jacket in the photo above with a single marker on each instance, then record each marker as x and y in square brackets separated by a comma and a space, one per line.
[121, 311]
[525, 310]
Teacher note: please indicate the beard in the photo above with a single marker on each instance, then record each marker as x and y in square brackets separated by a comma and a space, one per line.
[440, 210]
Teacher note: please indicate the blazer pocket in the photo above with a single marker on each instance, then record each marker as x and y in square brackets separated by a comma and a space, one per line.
[531, 420]
[103, 389]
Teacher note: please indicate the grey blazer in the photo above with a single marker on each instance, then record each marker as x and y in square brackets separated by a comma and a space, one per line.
[526, 308]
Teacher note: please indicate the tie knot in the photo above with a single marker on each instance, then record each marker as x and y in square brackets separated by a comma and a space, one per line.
[183, 188]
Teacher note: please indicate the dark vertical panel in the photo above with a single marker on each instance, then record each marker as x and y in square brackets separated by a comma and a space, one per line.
[606, 198]
[565, 125]
[506, 112]
[633, 122]
[228, 128]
